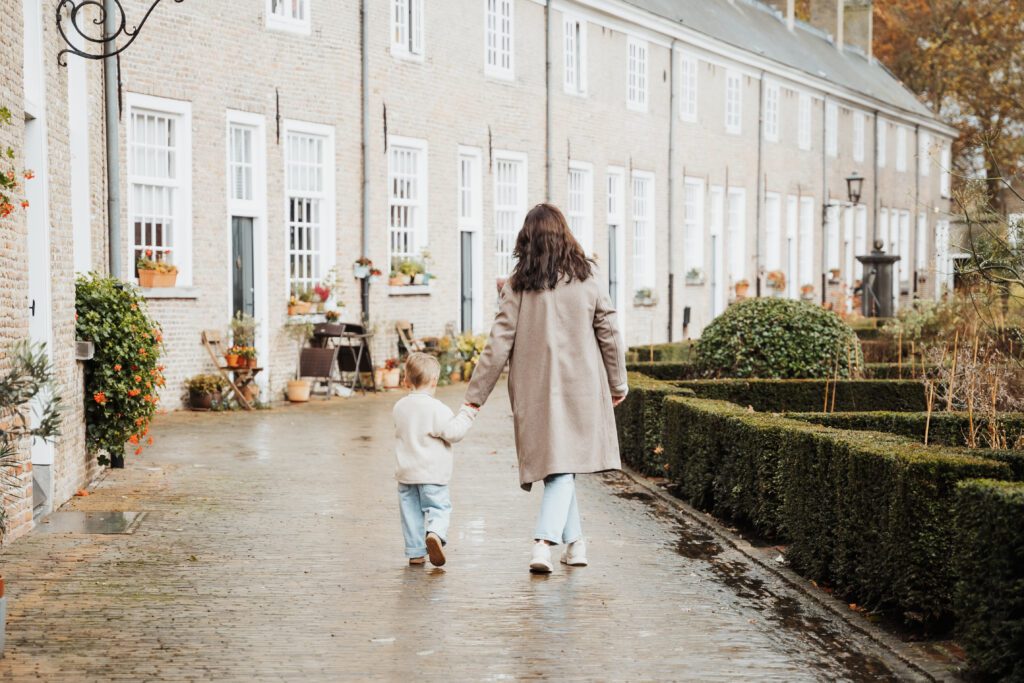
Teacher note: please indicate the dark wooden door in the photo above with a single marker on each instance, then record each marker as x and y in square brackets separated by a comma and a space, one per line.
[243, 294]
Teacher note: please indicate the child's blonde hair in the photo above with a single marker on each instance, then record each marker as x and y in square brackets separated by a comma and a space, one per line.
[421, 370]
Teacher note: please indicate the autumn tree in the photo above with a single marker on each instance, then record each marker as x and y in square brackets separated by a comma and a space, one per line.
[965, 60]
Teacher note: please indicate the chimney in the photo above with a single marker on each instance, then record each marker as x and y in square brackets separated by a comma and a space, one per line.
[849, 22]
[787, 8]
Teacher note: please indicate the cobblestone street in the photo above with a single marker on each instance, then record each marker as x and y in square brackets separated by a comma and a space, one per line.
[271, 550]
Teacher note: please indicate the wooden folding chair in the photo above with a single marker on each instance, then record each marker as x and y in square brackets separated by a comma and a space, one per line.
[214, 343]
[406, 340]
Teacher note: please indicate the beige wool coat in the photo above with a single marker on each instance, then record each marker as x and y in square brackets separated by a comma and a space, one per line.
[566, 360]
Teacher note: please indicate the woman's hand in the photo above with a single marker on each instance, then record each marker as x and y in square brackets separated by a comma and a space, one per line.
[473, 406]
[616, 400]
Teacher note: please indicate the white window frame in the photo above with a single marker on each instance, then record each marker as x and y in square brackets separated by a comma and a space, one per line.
[805, 121]
[882, 142]
[181, 234]
[772, 231]
[901, 149]
[470, 158]
[637, 74]
[946, 176]
[924, 153]
[693, 225]
[832, 226]
[921, 239]
[772, 106]
[80, 176]
[499, 44]
[407, 29]
[733, 102]
[806, 243]
[580, 208]
[736, 234]
[287, 21]
[421, 204]
[644, 263]
[792, 245]
[943, 259]
[860, 239]
[904, 247]
[859, 120]
[328, 249]
[689, 87]
[832, 129]
[574, 55]
[504, 261]
[615, 207]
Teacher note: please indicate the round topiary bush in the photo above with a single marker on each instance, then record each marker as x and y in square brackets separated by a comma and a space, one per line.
[778, 338]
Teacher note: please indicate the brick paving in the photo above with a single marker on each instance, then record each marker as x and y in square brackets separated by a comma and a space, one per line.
[271, 550]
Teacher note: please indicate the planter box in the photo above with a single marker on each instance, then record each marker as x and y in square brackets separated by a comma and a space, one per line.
[149, 279]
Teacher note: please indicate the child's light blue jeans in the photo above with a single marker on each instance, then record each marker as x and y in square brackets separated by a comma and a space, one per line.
[425, 508]
[559, 518]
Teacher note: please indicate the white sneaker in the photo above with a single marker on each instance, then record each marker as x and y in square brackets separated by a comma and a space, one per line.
[575, 554]
[540, 562]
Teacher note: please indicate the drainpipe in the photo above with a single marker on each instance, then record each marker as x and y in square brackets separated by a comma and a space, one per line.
[364, 242]
[824, 197]
[671, 181]
[875, 199]
[917, 210]
[112, 114]
[761, 189]
[547, 101]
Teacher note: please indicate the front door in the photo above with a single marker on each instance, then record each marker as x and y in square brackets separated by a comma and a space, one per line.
[613, 264]
[468, 276]
[242, 279]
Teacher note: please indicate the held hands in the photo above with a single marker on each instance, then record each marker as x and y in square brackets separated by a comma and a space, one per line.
[616, 400]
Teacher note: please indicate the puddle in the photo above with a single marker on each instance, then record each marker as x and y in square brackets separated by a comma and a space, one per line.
[72, 522]
[635, 495]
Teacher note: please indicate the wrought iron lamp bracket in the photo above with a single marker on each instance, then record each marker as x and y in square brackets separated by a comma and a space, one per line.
[108, 43]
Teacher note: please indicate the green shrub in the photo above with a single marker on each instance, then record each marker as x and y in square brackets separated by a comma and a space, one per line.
[674, 352]
[894, 370]
[124, 376]
[665, 370]
[638, 420]
[870, 514]
[777, 338]
[989, 562]
[945, 429]
[808, 395]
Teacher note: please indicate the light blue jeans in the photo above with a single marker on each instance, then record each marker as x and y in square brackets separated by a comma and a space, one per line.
[559, 518]
[425, 508]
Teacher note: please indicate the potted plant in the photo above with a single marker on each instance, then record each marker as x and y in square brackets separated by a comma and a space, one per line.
[807, 292]
[363, 268]
[243, 329]
[834, 274]
[392, 375]
[298, 389]
[321, 293]
[204, 391]
[776, 280]
[293, 305]
[695, 276]
[742, 287]
[375, 275]
[304, 304]
[155, 272]
[397, 279]
[246, 357]
[644, 297]
[332, 316]
[231, 356]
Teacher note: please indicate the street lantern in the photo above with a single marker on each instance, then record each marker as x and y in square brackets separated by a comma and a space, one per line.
[854, 185]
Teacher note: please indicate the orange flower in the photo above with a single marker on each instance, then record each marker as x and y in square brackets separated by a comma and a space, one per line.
[10, 175]
[138, 420]
[6, 209]
[24, 203]
[99, 397]
[133, 439]
[138, 378]
[149, 441]
[133, 393]
[147, 398]
[138, 451]
[117, 367]
[29, 175]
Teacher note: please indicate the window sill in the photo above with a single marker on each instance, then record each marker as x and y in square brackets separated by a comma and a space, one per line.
[507, 77]
[408, 290]
[695, 282]
[400, 53]
[170, 293]
[298, 27]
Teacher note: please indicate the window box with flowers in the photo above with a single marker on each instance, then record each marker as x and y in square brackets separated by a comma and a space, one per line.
[155, 272]
[742, 288]
[695, 277]
[776, 280]
[645, 297]
[807, 292]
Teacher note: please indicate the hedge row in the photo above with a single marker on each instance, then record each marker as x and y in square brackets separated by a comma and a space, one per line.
[639, 423]
[807, 395]
[893, 370]
[944, 429]
[666, 370]
[672, 352]
[870, 515]
[989, 561]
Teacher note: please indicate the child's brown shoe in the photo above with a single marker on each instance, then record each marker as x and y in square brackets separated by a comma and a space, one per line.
[435, 549]
[417, 560]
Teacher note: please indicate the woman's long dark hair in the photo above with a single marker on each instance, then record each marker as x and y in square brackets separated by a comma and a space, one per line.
[547, 252]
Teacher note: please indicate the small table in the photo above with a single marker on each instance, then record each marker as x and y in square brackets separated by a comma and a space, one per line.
[243, 377]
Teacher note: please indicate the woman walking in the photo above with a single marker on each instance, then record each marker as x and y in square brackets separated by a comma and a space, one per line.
[567, 369]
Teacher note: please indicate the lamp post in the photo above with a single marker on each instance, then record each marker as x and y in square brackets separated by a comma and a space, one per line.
[114, 21]
[854, 187]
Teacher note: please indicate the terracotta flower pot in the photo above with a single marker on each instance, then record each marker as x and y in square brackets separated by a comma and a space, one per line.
[392, 378]
[397, 281]
[292, 309]
[298, 390]
[200, 400]
[251, 362]
[232, 360]
[165, 279]
[455, 377]
[303, 307]
[146, 278]
[741, 291]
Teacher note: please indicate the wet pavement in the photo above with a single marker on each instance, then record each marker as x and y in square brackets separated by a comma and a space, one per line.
[270, 549]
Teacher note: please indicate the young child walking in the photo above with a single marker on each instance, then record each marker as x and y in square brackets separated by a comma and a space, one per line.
[425, 429]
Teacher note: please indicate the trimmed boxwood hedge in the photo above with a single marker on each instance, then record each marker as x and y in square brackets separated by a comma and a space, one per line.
[666, 370]
[989, 561]
[639, 423]
[808, 395]
[945, 429]
[869, 514]
[675, 352]
[892, 370]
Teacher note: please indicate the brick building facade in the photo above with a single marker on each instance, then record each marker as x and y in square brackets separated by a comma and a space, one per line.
[693, 145]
